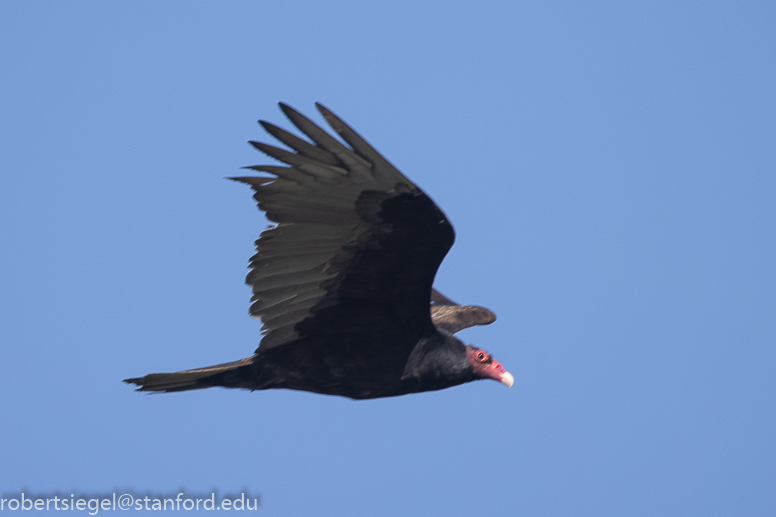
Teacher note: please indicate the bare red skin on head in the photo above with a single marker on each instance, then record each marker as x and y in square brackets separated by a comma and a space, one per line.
[483, 364]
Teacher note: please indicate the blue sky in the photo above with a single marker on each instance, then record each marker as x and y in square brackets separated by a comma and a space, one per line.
[610, 171]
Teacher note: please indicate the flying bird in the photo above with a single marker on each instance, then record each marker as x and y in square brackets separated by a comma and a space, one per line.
[343, 282]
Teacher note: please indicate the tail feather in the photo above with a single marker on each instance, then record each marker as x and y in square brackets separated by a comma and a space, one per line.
[236, 374]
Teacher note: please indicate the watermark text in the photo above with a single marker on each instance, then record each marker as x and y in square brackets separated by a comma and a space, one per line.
[125, 501]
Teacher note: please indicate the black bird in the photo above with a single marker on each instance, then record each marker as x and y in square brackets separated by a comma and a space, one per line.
[343, 282]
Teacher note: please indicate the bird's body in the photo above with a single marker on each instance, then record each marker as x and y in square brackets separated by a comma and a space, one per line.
[343, 282]
[343, 370]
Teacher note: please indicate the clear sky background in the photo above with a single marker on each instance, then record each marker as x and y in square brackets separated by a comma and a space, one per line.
[610, 169]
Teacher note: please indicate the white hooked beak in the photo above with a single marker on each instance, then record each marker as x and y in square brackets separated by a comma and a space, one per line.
[507, 379]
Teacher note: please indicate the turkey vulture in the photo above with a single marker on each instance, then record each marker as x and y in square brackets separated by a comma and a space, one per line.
[343, 282]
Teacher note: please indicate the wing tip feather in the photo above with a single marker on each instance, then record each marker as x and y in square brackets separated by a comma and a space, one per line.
[253, 181]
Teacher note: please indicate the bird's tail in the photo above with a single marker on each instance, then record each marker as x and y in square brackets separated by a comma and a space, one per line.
[236, 374]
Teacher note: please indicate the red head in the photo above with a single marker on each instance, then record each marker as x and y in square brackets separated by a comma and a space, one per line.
[486, 367]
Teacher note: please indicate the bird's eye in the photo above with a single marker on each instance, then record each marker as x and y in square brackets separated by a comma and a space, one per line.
[481, 356]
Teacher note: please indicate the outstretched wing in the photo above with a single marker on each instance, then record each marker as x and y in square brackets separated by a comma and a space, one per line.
[451, 317]
[356, 246]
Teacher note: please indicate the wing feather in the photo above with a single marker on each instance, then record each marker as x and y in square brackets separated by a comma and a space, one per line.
[299, 145]
[384, 172]
[349, 159]
[454, 318]
[315, 168]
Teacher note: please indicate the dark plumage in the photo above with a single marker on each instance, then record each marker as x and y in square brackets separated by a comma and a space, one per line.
[343, 281]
